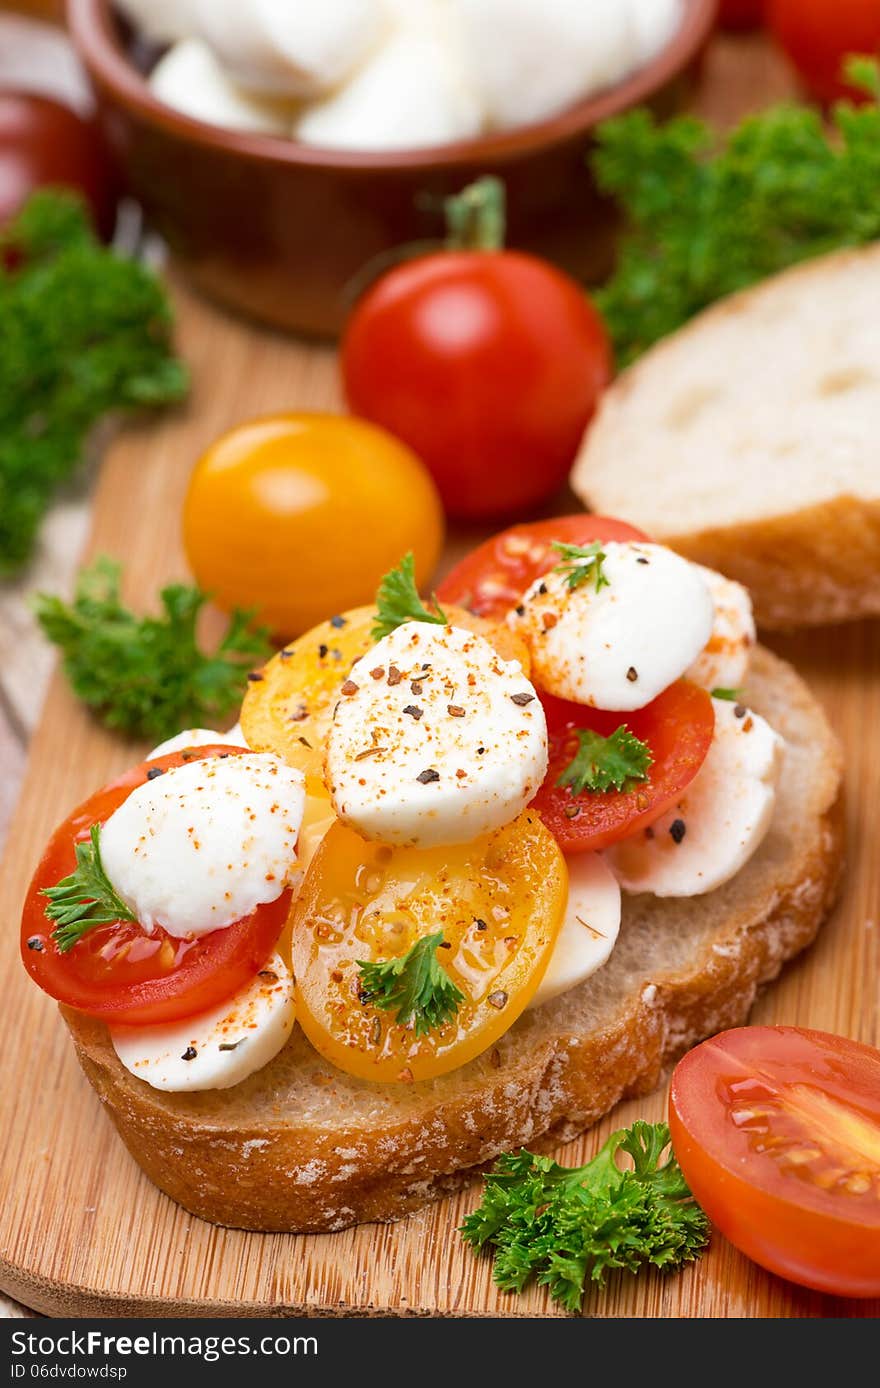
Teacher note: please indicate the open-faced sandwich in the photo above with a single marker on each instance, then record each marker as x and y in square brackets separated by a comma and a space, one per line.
[473, 869]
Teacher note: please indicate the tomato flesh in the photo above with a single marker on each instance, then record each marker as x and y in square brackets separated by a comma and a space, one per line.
[43, 143]
[492, 578]
[499, 903]
[818, 36]
[677, 726]
[777, 1130]
[118, 972]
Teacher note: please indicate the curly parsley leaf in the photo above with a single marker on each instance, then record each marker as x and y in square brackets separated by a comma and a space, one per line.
[709, 214]
[85, 898]
[415, 986]
[605, 763]
[566, 1226]
[582, 563]
[84, 333]
[148, 676]
[398, 601]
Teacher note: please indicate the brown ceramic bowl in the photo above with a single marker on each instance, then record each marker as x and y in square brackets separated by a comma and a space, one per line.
[279, 229]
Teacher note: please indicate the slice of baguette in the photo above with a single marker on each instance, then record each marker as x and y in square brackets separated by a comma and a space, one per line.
[300, 1146]
[750, 441]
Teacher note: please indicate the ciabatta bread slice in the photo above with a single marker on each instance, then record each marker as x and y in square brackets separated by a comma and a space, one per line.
[750, 441]
[301, 1146]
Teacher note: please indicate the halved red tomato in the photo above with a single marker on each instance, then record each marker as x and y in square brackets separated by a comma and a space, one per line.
[677, 726]
[777, 1130]
[493, 578]
[118, 972]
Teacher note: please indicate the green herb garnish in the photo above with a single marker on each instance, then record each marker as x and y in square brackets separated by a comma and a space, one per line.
[602, 763]
[565, 1225]
[414, 986]
[582, 563]
[711, 214]
[83, 333]
[147, 676]
[398, 601]
[732, 695]
[85, 898]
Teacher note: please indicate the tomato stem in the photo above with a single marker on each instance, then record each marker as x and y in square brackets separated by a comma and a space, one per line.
[476, 218]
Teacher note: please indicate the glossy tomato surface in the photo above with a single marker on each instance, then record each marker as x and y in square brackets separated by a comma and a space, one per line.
[118, 972]
[300, 516]
[488, 364]
[499, 903]
[677, 727]
[492, 578]
[777, 1130]
[44, 143]
[818, 35]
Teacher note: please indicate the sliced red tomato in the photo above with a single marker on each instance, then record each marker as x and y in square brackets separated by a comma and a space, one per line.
[118, 972]
[493, 577]
[678, 728]
[777, 1130]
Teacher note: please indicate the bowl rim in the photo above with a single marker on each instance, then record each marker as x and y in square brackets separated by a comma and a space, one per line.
[94, 36]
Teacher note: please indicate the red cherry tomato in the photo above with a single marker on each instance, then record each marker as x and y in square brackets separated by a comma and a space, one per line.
[118, 972]
[44, 143]
[677, 726]
[493, 577]
[819, 34]
[777, 1130]
[741, 14]
[488, 364]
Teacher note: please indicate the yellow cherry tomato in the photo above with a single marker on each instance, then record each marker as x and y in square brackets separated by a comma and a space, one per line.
[289, 710]
[499, 903]
[301, 515]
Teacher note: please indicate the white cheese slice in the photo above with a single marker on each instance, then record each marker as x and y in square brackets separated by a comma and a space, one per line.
[198, 737]
[219, 1048]
[204, 844]
[724, 663]
[412, 93]
[435, 739]
[162, 20]
[189, 79]
[291, 48]
[720, 820]
[589, 930]
[620, 646]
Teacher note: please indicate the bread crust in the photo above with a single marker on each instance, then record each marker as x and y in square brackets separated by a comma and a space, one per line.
[258, 1157]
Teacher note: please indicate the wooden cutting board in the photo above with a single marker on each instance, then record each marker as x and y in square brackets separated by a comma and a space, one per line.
[81, 1230]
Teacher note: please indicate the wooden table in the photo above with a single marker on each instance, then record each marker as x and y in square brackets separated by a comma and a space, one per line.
[740, 74]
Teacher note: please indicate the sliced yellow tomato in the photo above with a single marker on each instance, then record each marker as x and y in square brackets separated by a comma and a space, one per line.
[289, 710]
[499, 903]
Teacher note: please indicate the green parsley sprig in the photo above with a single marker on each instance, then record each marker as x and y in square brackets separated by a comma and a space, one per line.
[148, 676]
[567, 1225]
[709, 214]
[85, 898]
[415, 986]
[731, 695]
[581, 564]
[84, 333]
[604, 763]
[398, 601]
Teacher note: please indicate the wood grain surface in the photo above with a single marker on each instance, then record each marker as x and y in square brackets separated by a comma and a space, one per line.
[81, 1230]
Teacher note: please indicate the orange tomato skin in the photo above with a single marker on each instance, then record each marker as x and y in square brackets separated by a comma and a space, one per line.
[301, 515]
[786, 1217]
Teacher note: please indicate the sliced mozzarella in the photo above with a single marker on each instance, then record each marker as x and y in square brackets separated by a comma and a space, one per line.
[204, 844]
[724, 664]
[290, 48]
[435, 739]
[652, 24]
[719, 821]
[529, 60]
[198, 737]
[190, 80]
[216, 1049]
[412, 93]
[619, 647]
[162, 20]
[589, 931]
